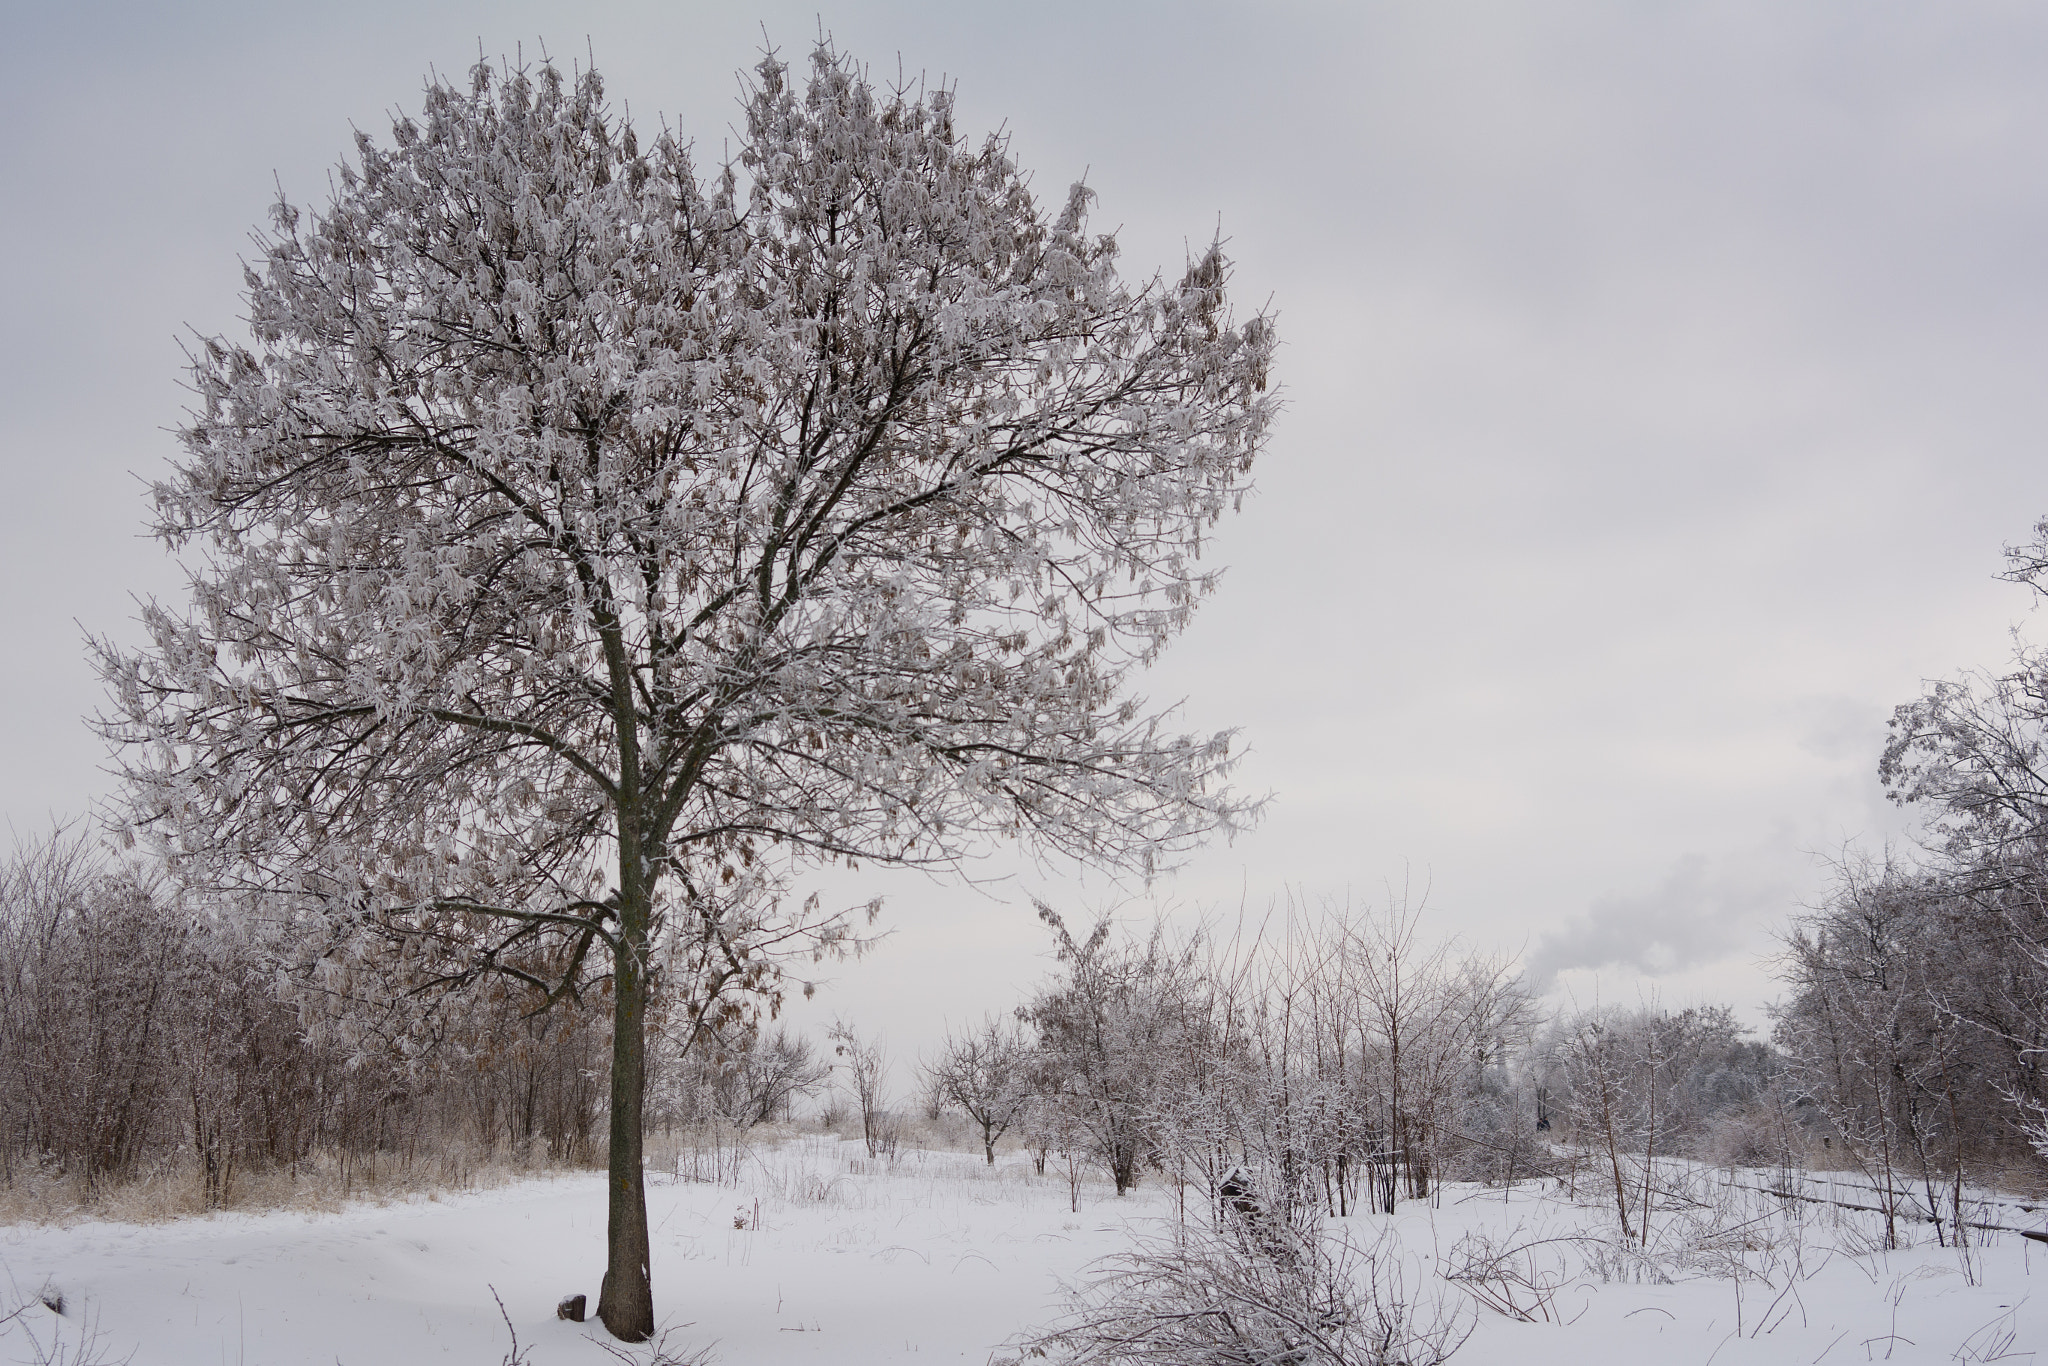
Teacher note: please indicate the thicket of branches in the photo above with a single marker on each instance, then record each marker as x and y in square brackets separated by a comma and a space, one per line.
[750, 1079]
[141, 1038]
[1342, 1062]
[1918, 1013]
[1328, 1064]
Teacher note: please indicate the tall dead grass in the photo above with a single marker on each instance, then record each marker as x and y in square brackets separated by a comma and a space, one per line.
[175, 1188]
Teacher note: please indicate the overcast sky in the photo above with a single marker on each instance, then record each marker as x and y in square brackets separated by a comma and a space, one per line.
[1662, 384]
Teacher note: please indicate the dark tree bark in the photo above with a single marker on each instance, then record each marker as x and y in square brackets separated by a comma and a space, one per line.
[626, 1301]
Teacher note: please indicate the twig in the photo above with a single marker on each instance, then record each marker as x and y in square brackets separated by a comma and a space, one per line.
[512, 1360]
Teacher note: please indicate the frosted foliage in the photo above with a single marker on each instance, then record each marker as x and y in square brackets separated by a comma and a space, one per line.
[579, 530]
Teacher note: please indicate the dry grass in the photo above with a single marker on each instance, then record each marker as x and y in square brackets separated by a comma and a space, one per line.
[174, 1189]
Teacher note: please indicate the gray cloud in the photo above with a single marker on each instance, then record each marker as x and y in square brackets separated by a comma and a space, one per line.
[1652, 371]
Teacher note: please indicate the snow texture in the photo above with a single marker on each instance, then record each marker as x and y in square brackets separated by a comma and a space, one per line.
[817, 1255]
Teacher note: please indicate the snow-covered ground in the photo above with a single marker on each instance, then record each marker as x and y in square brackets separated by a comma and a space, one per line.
[814, 1254]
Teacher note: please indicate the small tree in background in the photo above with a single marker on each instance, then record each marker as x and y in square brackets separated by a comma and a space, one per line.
[1110, 1038]
[744, 1081]
[985, 1071]
[867, 1071]
[589, 540]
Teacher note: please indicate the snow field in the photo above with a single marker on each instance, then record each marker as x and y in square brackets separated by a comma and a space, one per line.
[812, 1253]
[1740, 1281]
[932, 1257]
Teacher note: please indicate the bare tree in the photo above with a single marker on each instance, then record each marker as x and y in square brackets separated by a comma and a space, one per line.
[1971, 755]
[1430, 1017]
[984, 1071]
[1598, 1053]
[867, 1071]
[1893, 1031]
[1321, 1050]
[588, 539]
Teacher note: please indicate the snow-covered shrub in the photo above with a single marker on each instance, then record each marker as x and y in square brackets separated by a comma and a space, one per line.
[1114, 1035]
[1245, 1295]
[714, 1151]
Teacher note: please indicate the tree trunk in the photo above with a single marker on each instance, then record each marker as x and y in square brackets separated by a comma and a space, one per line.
[1649, 1157]
[1607, 1099]
[625, 1303]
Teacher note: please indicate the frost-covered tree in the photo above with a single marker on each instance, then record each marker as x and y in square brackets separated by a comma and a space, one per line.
[744, 1081]
[1113, 1034]
[583, 539]
[1970, 756]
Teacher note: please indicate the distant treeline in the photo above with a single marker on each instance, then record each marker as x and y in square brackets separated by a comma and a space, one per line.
[138, 1036]
[1328, 1058]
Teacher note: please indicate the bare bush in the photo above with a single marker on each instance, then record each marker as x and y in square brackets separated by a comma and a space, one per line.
[88, 962]
[1232, 1296]
[46, 1337]
[1516, 1277]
